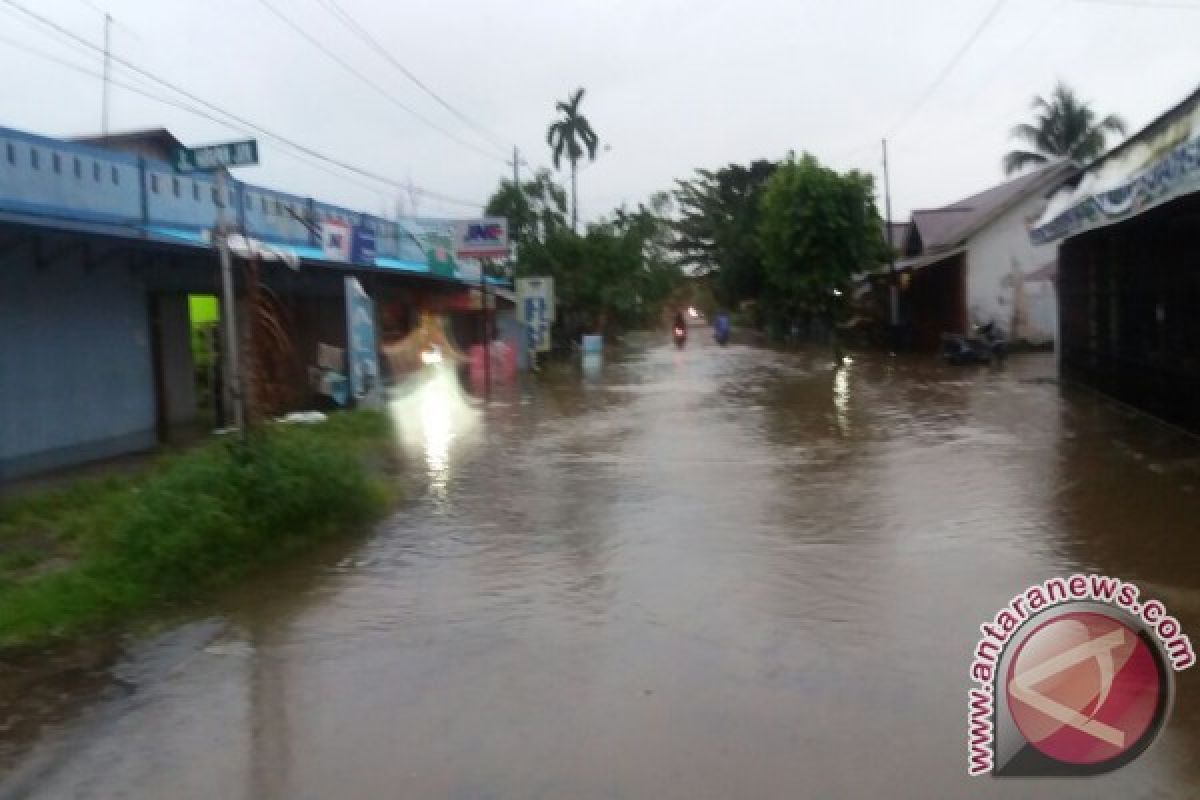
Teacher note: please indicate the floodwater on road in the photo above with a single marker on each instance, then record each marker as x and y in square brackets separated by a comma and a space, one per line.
[708, 573]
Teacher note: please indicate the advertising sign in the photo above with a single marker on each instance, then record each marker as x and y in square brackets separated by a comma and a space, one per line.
[361, 354]
[336, 240]
[362, 249]
[481, 238]
[535, 306]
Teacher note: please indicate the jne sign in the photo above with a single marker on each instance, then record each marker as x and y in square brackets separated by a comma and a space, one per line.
[481, 238]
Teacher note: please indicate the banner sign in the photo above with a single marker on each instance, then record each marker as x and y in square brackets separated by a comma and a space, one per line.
[362, 248]
[1145, 175]
[481, 238]
[361, 353]
[436, 240]
[535, 307]
[336, 241]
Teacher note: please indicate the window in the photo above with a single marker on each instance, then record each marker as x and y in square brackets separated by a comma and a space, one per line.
[154, 182]
[56, 162]
[33, 157]
[196, 191]
[116, 176]
[278, 209]
[175, 186]
[96, 171]
[264, 203]
[12, 153]
[216, 198]
[78, 169]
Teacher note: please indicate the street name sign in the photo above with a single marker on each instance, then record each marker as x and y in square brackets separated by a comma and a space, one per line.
[215, 156]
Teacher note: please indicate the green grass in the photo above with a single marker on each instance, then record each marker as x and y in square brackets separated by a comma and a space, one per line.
[101, 552]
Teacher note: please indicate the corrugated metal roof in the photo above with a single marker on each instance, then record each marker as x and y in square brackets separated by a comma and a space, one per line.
[951, 225]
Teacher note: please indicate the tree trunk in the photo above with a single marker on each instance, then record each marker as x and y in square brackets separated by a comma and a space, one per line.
[574, 199]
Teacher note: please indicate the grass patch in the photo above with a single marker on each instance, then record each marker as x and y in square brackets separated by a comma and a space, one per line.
[100, 552]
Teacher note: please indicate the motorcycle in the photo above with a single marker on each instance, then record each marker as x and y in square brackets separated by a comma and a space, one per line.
[984, 346]
[680, 337]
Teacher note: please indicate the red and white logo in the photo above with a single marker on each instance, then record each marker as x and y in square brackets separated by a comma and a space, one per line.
[1084, 688]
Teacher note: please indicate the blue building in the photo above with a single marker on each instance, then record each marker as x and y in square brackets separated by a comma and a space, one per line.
[102, 242]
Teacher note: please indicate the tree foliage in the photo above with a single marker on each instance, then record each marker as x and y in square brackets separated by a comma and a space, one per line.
[619, 273]
[1064, 127]
[535, 209]
[818, 227]
[718, 228]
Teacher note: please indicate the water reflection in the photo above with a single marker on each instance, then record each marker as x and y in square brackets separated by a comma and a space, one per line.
[841, 397]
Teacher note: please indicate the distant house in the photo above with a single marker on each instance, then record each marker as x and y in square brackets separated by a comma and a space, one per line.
[1128, 272]
[972, 262]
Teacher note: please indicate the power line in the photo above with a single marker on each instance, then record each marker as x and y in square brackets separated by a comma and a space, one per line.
[950, 65]
[309, 151]
[348, 20]
[317, 43]
[173, 103]
[1144, 4]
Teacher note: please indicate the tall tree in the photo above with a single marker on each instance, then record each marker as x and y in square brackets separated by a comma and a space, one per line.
[620, 272]
[572, 134]
[535, 209]
[1064, 127]
[717, 229]
[818, 228]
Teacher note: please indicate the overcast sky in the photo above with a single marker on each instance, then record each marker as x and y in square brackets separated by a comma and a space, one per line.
[671, 84]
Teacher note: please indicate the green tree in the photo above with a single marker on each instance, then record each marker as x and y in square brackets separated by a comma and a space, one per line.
[1063, 127]
[618, 274]
[535, 209]
[717, 229]
[818, 228]
[572, 134]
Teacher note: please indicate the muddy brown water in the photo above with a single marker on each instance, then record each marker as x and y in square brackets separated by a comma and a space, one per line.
[710, 573]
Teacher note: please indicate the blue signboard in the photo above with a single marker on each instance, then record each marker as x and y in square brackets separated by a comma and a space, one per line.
[361, 354]
[362, 250]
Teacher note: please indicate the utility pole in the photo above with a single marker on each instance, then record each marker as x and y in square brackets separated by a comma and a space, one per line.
[894, 293]
[516, 165]
[233, 375]
[107, 68]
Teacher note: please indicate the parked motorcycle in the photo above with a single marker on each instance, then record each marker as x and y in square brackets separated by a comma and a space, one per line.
[985, 346]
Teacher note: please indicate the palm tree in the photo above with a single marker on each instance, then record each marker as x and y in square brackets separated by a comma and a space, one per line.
[1064, 127]
[572, 134]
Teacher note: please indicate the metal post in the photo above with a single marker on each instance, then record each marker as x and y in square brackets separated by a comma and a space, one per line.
[516, 168]
[894, 293]
[107, 68]
[233, 375]
[487, 344]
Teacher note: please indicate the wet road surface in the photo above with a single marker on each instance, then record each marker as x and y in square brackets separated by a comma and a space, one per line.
[714, 573]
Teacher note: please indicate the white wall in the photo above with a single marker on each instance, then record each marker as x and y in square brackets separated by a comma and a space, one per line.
[998, 258]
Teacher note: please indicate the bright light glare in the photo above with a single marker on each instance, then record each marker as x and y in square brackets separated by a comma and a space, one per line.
[431, 356]
[431, 413]
[693, 313]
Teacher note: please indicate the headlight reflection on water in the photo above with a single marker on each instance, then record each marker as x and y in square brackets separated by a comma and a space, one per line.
[430, 410]
[841, 397]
